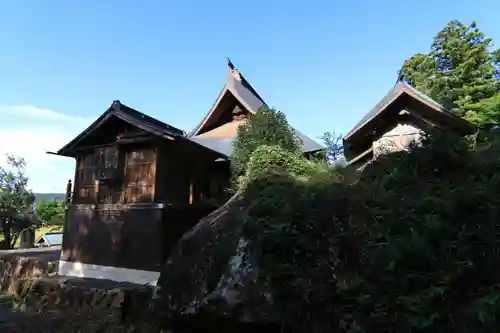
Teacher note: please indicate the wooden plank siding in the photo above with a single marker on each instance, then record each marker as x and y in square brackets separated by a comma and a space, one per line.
[131, 202]
[134, 220]
[121, 237]
[172, 177]
[114, 236]
[125, 175]
[140, 175]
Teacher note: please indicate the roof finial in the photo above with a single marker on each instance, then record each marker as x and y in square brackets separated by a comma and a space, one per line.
[116, 104]
[230, 64]
[233, 70]
[400, 75]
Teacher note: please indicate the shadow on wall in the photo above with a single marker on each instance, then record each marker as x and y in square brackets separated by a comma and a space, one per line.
[138, 237]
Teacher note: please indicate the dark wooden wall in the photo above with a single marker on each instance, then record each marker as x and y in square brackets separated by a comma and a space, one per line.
[138, 236]
[173, 176]
[133, 219]
[126, 173]
[125, 237]
[189, 174]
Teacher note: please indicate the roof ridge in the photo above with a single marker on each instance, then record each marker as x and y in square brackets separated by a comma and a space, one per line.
[236, 73]
[393, 92]
[424, 96]
[143, 116]
[234, 77]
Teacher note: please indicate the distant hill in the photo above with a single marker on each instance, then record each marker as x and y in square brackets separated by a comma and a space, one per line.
[49, 196]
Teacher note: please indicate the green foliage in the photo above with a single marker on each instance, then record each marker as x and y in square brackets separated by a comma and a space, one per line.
[489, 114]
[265, 127]
[409, 245]
[460, 71]
[287, 231]
[51, 211]
[16, 199]
[273, 157]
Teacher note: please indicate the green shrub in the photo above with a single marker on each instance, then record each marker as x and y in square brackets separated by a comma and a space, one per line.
[410, 246]
[266, 157]
[265, 127]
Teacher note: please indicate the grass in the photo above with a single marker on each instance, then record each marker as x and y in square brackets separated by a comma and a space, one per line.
[39, 232]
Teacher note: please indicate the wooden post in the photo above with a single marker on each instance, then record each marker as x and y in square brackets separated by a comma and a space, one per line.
[69, 200]
[97, 190]
[191, 188]
[68, 192]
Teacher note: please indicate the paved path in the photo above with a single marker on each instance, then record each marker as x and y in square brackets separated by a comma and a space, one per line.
[46, 253]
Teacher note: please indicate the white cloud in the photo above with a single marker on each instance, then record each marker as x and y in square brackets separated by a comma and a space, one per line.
[30, 132]
[33, 112]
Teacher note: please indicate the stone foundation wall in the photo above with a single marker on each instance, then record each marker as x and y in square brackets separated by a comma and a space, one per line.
[82, 305]
[36, 289]
[75, 296]
[14, 268]
[65, 304]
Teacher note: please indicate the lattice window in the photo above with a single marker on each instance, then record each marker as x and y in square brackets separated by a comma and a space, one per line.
[108, 162]
[102, 164]
[85, 177]
[140, 176]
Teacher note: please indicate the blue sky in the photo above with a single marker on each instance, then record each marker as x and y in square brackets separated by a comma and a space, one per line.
[324, 63]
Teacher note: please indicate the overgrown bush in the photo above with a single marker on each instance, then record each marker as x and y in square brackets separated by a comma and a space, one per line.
[411, 245]
[266, 157]
[265, 127]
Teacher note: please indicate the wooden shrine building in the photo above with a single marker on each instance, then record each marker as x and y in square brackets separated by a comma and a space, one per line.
[398, 119]
[141, 183]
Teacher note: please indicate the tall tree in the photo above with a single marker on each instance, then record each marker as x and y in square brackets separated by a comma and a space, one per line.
[51, 211]
[16, 200]
[461, 71]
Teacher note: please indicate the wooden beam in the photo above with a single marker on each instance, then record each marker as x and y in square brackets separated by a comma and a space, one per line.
[191, 187]
[82, 149]
[122, 141]
[360, 156]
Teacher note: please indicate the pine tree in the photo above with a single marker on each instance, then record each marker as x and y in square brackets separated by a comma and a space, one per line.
[461, 72]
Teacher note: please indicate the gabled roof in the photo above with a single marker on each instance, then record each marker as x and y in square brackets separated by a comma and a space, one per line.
[240, 88]
[245, 94]
[400, 91]
[129, 115]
